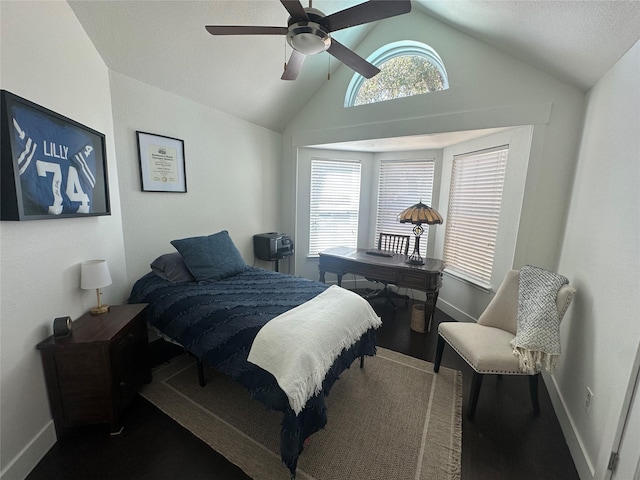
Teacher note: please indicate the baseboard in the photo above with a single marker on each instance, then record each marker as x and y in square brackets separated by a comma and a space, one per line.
[454, 312]
[22, 464]
[586, 470]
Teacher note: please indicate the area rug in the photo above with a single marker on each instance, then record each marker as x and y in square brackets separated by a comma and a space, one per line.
[394, 419]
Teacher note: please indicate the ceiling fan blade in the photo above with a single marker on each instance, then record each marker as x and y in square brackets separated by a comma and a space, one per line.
[352, 60]
[293, 65]
[244, 30]
[295, 9]
[367, 12]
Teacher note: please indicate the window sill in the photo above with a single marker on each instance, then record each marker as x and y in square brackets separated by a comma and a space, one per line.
[473, 283]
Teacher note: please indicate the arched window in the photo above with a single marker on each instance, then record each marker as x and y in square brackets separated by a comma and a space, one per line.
[406, 68]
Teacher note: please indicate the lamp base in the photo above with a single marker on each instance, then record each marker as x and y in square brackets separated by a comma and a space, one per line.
[413, 260]
[99, 309]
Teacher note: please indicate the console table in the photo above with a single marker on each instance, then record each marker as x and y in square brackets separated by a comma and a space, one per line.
[426, 278]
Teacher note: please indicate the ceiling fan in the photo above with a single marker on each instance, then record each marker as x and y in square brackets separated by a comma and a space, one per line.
[309, 32]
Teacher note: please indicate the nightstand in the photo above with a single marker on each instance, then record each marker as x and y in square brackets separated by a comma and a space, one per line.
[94, 374]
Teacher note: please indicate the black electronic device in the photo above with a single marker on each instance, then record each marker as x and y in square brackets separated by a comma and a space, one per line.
[272, 246]
[61, 327]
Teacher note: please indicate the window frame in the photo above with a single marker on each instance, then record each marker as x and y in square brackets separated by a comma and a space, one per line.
[314, 242]
[463, 270]
[429, 164]
[392, 50]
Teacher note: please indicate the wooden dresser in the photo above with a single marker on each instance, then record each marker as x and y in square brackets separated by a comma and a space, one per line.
[93, 374]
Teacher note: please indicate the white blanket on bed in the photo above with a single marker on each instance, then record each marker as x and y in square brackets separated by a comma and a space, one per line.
[299, 346]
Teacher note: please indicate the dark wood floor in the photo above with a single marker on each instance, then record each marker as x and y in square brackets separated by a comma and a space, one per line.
[505, 441]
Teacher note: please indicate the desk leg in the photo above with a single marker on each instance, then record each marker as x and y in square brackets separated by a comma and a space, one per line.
[430, 308]
[323, 280]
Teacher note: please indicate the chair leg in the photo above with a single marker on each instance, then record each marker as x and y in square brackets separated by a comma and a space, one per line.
[476, 383]
[388, 296]
[439, 351]
[533, 390]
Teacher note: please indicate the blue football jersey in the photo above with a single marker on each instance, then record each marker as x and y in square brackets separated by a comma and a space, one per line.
[56, 162]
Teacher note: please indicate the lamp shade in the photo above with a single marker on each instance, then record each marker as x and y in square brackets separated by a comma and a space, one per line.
[94, 274]
[420, 213]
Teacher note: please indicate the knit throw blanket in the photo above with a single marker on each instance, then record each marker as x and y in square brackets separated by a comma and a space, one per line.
[299, 346]
[537, 341]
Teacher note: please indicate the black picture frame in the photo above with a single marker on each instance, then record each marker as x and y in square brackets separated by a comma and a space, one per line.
[162, 164]
[50, 166]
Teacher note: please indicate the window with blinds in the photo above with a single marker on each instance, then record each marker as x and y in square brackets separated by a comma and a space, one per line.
[335, 201]
[402, 184]
[477, 182]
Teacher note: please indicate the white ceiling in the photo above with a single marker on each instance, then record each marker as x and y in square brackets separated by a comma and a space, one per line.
[164, 44]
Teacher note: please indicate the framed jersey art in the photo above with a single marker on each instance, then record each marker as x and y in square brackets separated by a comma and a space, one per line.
[51, 166]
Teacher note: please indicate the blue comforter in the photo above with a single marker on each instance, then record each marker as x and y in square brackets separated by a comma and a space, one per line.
[217, 322]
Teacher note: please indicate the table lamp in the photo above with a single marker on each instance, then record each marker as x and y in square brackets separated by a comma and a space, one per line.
[418, 214]
[95, 274]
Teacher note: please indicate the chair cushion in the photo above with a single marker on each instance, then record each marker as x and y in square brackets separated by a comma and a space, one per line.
[486, 349]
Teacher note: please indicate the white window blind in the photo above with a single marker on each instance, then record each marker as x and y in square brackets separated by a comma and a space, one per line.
[402, 184]
[335, 201]
[477, 182]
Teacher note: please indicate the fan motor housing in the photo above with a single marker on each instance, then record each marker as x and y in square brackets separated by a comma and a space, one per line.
[308, 37]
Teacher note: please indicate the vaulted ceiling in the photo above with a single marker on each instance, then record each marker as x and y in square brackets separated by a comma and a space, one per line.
[164, 44]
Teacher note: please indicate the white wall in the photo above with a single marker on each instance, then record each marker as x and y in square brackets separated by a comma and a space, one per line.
[601, 256]
[47, 58]
[232, 169]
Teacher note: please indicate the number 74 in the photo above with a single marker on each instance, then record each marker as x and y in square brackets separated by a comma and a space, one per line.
[73, 188]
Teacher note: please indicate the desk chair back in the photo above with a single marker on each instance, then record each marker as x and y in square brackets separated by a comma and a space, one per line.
[394, 243]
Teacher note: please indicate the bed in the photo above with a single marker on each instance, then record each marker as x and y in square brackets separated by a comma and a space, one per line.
[216, 314]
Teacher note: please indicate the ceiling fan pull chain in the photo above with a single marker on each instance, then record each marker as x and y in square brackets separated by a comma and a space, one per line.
[285, 55]
[329, 68]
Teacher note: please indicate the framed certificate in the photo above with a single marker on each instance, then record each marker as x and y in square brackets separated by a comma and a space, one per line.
[161, 163]
[51, 166]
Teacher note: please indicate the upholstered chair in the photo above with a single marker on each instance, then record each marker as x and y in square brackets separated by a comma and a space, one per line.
[486, 345]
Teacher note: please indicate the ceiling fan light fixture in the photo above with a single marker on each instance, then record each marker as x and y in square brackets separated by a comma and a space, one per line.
[308, 38]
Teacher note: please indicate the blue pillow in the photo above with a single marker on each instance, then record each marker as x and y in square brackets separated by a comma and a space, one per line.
[211, 258]
[171, 267]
